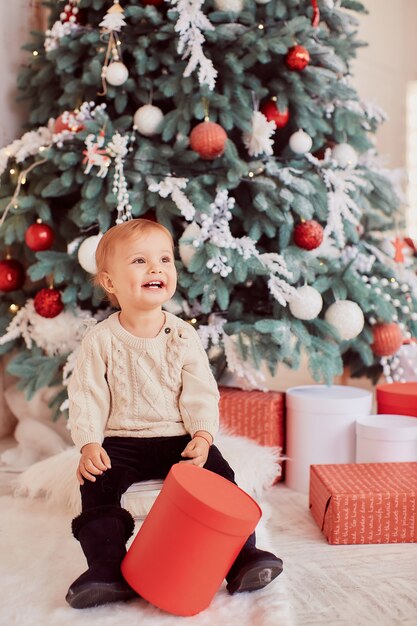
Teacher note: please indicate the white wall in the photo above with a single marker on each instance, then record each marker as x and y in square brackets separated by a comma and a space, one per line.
[382, 70]
[17, 19]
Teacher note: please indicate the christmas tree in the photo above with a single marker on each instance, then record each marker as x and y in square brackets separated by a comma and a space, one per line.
[235, 124]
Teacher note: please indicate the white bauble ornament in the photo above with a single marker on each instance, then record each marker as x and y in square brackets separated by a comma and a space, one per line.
[229, 5]
[347, 317]
[300, 142]
[345, 155]
[116, 73]
[306, 304]
[186, 248]
[87, 253]
[148, 120]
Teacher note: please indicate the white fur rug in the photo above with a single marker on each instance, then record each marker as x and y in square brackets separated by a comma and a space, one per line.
[256, 467]
[40, 559]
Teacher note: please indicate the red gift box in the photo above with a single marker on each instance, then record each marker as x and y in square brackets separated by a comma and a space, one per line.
[365, 502]
[258, 415]
[397, 399]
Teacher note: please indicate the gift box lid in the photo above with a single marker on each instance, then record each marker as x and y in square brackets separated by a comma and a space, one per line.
[329, 399]
[397, 394]
[387, 427]
[368, 478]
[365, 502]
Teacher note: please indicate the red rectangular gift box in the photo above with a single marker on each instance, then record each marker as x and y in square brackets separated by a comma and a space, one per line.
[365, 502]
[397, 398]
[258, 415]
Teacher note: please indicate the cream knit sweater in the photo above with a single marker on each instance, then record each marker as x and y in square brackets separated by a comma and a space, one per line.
[128, 386]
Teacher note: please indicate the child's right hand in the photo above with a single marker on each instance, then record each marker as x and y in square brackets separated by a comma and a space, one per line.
[93, 462]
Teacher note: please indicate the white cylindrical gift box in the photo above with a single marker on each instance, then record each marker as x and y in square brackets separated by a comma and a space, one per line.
[386, 439]
[321, 423]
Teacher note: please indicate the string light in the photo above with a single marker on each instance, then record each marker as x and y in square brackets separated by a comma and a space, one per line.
[261, 26]
[35, 53]
[12, 171]
[13, 308]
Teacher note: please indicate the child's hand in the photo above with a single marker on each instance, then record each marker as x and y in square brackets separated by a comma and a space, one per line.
[197, 451]
[93, 462]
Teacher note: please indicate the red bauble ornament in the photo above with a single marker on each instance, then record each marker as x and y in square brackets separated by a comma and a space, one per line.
[297, 58]
[388, 339]
[308, 235]
[12, 275]
[39, 237]
[208, 139]
[48, 303]
[71, 12]
[67, 121]
[273, 114]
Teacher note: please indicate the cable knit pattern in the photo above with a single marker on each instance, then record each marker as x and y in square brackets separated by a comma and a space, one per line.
[129, 386]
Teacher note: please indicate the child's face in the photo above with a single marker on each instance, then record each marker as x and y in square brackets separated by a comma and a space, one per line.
[141, 271]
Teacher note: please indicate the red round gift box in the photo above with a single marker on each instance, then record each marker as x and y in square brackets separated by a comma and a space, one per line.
[397, 398]
[189, 540]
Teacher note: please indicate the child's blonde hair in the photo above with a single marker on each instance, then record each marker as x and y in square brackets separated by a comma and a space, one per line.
[107, 243]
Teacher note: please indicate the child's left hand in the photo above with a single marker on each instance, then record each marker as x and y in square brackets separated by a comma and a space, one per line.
[196, 451]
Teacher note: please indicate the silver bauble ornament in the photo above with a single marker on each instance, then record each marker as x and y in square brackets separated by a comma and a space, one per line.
[87, 253]
[186, 248]
[116, 73]
[229, 5]
[148, 120]
[306, 304]
[345, 155]
[347, 317]
[300, 142]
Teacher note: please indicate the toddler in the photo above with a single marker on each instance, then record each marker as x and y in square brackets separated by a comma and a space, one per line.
[142, 397]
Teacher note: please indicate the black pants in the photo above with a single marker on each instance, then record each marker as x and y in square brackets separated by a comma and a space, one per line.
[134, 459]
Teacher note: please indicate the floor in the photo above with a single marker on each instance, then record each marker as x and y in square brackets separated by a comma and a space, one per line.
[337, 585]
[362, 585]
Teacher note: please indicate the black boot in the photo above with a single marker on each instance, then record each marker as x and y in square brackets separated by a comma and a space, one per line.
[253, 569]
[102, 533]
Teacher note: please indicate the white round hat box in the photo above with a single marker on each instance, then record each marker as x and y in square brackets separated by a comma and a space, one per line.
[386, 439]
[321, 428]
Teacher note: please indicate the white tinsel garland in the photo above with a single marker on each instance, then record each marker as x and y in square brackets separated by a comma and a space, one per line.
[34, 141]
[59, 30]
[212, 333]
[59, 335]
[172, 186]
[361, 262]
[249, 375]
[118, 149]
[341, 205]
[28, 145]
[190, 23]
[97, 154]
[259, 141]
[215, 228]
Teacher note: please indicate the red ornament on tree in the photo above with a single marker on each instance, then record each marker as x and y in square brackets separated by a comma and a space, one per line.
[388, 339]
[48, 303]
[297, 58]
[71, 12]
[208, 139]
[308, 235]
[67, 121]
[273, 114]
[12, 275]
[39, 237]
